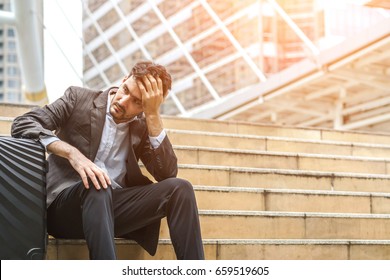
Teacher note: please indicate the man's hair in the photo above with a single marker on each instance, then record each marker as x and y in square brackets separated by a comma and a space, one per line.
[142, 68]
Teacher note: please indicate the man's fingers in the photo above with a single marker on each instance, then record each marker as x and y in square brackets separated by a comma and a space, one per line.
[143, 90]
[107, 178]
[84, 178]
[98, 174]
[147, 84]
[86, 183]
[88, 170]
[151, 98]
[154, 84]
[151, 85]
[102, 179]
[94, 180]
[160, 86]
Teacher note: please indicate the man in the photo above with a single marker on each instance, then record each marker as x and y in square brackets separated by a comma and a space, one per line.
[95, 188]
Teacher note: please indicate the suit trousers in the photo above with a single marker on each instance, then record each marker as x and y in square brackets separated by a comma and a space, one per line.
[100, 215]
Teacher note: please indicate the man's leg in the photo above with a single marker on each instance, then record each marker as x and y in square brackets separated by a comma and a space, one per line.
[81, 213]
[173, 198]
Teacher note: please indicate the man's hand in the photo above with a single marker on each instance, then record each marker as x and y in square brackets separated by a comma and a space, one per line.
[152, 94]
[152, 98]
[80, 163]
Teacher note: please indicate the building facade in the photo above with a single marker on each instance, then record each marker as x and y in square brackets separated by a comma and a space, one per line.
[10, 77]
[212, 48]
[319, 63]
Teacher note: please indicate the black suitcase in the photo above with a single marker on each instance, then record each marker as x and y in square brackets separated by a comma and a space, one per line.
[22, 199]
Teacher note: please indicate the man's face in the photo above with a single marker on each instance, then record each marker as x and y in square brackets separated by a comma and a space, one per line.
[127, 102]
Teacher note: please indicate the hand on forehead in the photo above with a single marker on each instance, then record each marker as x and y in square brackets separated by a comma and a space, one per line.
[150, 84]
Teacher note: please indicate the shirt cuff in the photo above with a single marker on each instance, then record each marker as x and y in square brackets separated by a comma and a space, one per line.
[47, 140]
[156, 141]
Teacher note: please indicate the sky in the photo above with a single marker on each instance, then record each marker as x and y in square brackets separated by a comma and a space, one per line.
[62, 46]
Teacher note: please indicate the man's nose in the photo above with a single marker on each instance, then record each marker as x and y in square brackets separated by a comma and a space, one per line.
[124, 100]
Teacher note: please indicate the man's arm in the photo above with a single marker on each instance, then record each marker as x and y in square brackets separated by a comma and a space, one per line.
[85, 167]
[41, 122]
[162, 161]
[152, 98]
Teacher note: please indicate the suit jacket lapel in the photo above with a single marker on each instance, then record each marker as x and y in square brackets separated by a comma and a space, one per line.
[98, 118]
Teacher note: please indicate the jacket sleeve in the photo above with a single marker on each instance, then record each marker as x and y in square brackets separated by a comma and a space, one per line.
[43, 121]
[161, 162]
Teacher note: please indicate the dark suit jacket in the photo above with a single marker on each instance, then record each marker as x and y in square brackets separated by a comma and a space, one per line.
[78, 118]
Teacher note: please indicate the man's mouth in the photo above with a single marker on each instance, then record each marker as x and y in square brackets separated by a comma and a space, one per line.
[118, 108]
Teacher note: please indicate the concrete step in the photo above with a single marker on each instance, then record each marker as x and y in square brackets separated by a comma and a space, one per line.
[5, 125]
[281, 178]
[289, 225]
[241, 128]
[244, 128]
[255, 199]
[14, 110]
[233, 249]
[278, 160]
[275, 144]
[260, 143]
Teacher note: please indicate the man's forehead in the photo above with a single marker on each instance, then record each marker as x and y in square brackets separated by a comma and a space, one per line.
[132, 80]
[133, 88]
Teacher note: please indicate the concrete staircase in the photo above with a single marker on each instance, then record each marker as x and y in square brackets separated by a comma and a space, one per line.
[270, 192]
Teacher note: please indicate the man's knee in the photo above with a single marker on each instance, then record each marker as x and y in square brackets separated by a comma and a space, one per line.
[97, 196]
[97, 207]
[182, 187]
